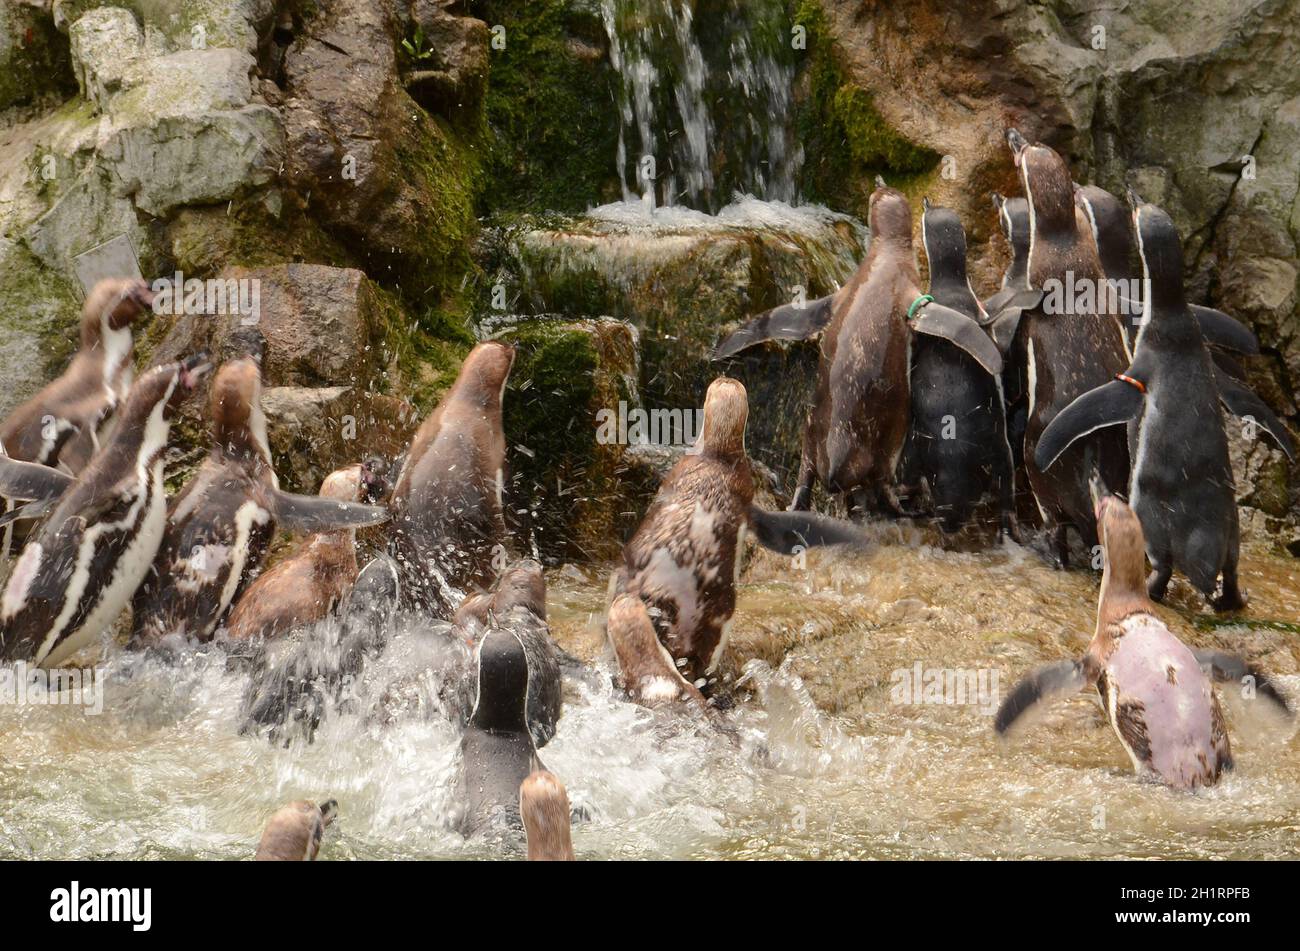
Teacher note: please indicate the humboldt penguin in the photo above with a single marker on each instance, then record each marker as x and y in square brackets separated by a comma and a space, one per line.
[861, 404]
[294, 833]
[1156, 691]
[683, 558]
[1181, 485]
[1111, 224]
[219, 525]
[80, 568]
[544, 806]
[1064, 354]
[61, 425]
[958, 437]
[497, 750]
[447, 519]
[308, 584]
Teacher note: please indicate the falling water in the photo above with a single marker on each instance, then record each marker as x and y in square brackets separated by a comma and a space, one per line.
[705, 100]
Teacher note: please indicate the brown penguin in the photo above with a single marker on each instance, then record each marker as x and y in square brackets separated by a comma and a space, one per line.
[544, 806]
[294, 833]
[447, 521]
[306, 585]
[61, 423]
[78, 571]
[1065, 354]
[647, 671]
[682, 560]
[861, 404]
[219, 525]
[1154, 689]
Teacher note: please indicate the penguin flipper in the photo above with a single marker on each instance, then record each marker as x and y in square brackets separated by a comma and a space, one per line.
[1225, 668]
[935, 320]
[1221, 330]
[1108, 405]
[311, 513]
[784, 532]
[1243, 403]
[1005, 313]
[787, 322]
[30, 510]
[1045, 683]
[999, 300]
[30, 481]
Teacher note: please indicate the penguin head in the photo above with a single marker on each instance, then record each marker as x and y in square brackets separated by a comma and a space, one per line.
[169, 384]
[1048, 185]
[522, 585]
[544, 808]
[502, 695]
[1161, 252]
[889, 215]
[234, 404]
[483, 375]
[1109, 225]
[632, 635]
[944, 240]
[726, 410]
[1122, 541]
[111, 305]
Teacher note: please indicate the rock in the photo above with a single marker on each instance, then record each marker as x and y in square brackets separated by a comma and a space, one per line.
[35, 309]
[105, 43]
[449, 75]
[33, 54]
[567, 478]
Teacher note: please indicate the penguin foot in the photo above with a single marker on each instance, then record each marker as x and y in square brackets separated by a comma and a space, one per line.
[1232, 600]
[1158, 584]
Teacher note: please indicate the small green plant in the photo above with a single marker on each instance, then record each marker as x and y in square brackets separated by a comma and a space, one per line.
[415, 47]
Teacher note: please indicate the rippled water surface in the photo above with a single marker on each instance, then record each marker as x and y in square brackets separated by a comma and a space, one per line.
[824, 764]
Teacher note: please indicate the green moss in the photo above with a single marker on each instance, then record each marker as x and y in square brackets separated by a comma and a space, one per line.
[554, 127]
[846, 140]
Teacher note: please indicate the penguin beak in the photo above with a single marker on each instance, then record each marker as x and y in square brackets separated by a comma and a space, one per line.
[1017, 143]
[880, 182]
[194, 369]
[328, 810]
[143, 296]
[1100, 494]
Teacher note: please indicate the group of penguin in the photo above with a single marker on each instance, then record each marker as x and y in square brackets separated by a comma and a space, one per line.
[81, 468]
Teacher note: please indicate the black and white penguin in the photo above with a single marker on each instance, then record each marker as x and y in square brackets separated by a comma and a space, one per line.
[295, 832]
[1156, 691]
[219, 525]
[958, 437]
[81, 567]
[497, 750]
[1181, 484]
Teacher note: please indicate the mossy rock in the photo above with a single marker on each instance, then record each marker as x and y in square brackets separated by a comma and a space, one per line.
[39, 312]
[565, 490]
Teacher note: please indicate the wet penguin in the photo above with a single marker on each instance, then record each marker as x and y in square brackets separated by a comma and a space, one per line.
[219, 525]
[1064, 354]
[79, 570]
[61, 425]
[447, 519]
[497, 750]
[306, 585]
[861, 405]
[647, 672]
[1181, 485]
[544, 806]
[1154, 689]
[958, 438]
[682, 560]
[295, 832]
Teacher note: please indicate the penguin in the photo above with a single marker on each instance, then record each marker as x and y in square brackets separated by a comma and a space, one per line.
[647, 672]
[497, 749]
[1181, 486]
[1064, 354]
[683, 559]
[295, 832]
[1013, 219]
[861, 406]
[1157, 692]
[308, 584]
[958, 437]
[544, 807]
[1110, 221]
[79, 570]
[219, 525]
[293, 684]
[446, 506]
[61, 425]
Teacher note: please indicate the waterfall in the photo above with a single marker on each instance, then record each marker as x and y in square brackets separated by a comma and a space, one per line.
[704, 100]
